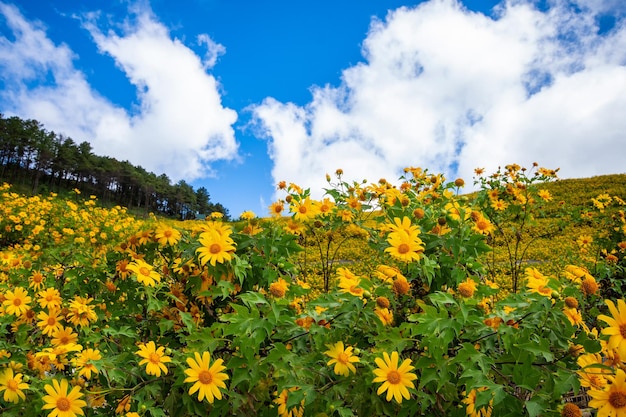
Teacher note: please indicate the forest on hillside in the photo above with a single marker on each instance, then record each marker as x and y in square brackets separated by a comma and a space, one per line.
[39, 161]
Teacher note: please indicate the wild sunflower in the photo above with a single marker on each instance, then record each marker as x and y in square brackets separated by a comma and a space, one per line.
[617, 326]
[276, 208]
[12, 386]
[83, 362]
[610, 401]
[16, 302]
[62, 403]
[342, 358]
[304, 209]
[483, 226]
[403, 225]
[49, 322]
[396, 379]
[64, 336]
[167, 235]
[467, 288]
[592, 373]
[279, 288]
[144, 272]
[207, 378]
[470, 405]
[281, 401]
[50, 298]
[385, 315]
[81, 313]
[154, 358]
[215, 247]
[404, 247]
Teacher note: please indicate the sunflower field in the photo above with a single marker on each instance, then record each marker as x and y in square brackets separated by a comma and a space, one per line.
[379, 299]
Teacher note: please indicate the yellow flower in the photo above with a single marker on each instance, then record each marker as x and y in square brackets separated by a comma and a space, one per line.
[276, 208]
[304, 209]
[470, 402]
[545, 195]
[404, 247]
[282, 405]
[16, 302]
[584, 241]
[167, 235]
[617, 326]
[610, 401]
[279, 288]
[207, 378]
[49, 298]
[499, 205]
[64, 336]
[12, 386]
[385, 315]
[592, 373]
[349, 283]
[483, 226]
[403, 225]
[154, 359]
[467, 288]
[82, 362]
[396, 379]
[62, 403]
[342, 358]
[81, 313]
[49, 322]
[215, 247]
[144, 272]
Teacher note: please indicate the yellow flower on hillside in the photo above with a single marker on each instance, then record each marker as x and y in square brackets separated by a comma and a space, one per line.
[208, 379]
[61, 402]
[467, 288]
[281, 401]
[483, 226]
[154, 358]
[12, 386]
[584, 241]
[144, 272]
[325, 206]
[593, 372]
[404, 247]
[395, 379]
[64, 336]
[279, 288]
[385, 315]
[470, 405]
[499, 205]
[50, 298]
[276, 208]
[304, 209]
[81, 312]
[402, 225]
[349, 283]
[83, 362]
[167, 235]
[49, 322]
[616, 325]
[342, 358]
[611, 400]
[16, 302]
[215, 247]
[544, 195]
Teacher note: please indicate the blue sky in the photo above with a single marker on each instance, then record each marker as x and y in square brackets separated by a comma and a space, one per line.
[237, 96]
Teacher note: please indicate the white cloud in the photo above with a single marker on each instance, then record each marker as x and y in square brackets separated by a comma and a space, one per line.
[179, 126]
[443, 87]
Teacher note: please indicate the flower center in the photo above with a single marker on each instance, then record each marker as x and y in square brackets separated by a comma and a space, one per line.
[302, 209]
[17, 302]
[144, 271]
[167, 233]
[155, 358]
[622, 330]
[342, 358]
[403, 248]
[12, 385]
[393, 377]
[215, 248]
[205, 377]
[63, 404]
[51, 321]
[617, 399]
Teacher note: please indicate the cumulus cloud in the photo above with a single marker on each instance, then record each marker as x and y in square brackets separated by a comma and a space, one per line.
[179, 126]
[450, 90]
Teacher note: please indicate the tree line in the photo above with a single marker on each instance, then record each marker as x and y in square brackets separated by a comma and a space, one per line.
[40, 161]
